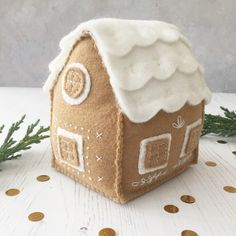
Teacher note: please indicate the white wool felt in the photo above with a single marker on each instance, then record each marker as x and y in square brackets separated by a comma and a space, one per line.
[150, 65]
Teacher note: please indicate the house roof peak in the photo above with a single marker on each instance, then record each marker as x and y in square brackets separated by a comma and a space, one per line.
[150, 65]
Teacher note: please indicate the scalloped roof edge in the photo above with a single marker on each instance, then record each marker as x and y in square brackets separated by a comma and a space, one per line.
[175, 55]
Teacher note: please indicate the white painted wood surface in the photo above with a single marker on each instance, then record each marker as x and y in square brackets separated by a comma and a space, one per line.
[68, 206]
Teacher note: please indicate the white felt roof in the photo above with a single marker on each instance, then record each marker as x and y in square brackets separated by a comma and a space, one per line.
[150, 65]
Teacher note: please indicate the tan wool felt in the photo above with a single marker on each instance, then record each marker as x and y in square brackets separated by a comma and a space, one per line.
[160, 124]
[97, 114]
[111, 143]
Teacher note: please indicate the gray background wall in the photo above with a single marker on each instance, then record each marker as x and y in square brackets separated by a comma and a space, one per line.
[30, 32]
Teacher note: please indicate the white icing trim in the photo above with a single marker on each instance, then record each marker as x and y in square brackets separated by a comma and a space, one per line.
[149, 179]
[79, 140]
[186, 136]
[142, 153]
[85, 92]
[150, 65]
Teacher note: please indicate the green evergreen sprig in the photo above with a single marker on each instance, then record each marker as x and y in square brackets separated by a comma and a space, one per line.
[221, 125]
[10, 148]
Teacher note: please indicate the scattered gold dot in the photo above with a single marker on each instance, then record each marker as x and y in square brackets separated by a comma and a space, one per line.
[234, 152]
[230, 189]
[188, 233]
[210, 163]
[171, 208]
[187, 199]
[107, 232]
[36, 216]
[12, 192]
[221, 141]
[43, 178]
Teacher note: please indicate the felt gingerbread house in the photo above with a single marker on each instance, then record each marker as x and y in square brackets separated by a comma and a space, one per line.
[127, 105]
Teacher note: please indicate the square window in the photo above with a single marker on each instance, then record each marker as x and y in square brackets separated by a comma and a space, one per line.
[70, 149]
[154, 153]
[191, 138]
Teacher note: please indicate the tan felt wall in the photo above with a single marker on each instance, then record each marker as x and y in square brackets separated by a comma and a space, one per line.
[160, 124]
[96, 115]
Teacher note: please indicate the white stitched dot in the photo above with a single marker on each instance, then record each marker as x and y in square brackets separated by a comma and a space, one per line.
[82, 128]
[86, 157]
[90, 178]
[88, 137]
[87, 148]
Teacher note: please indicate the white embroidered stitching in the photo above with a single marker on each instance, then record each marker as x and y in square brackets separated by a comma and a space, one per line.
[99, 178]
[99, 158]
[99, 135]
[179, 123]
[149, 179]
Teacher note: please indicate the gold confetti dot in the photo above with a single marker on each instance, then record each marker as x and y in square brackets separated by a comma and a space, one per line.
[188, 233]
[107, 232]
[221, 141]
[12, 192]
[187, 199]
[230, 189]
[36, 216]
[171, 208]
[210, 163]
[43, 178]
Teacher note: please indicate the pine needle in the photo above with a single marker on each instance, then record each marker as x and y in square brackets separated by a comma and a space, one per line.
[10, 148]
[221, 125]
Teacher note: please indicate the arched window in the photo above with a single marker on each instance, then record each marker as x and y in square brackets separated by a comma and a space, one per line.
[76, 84]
